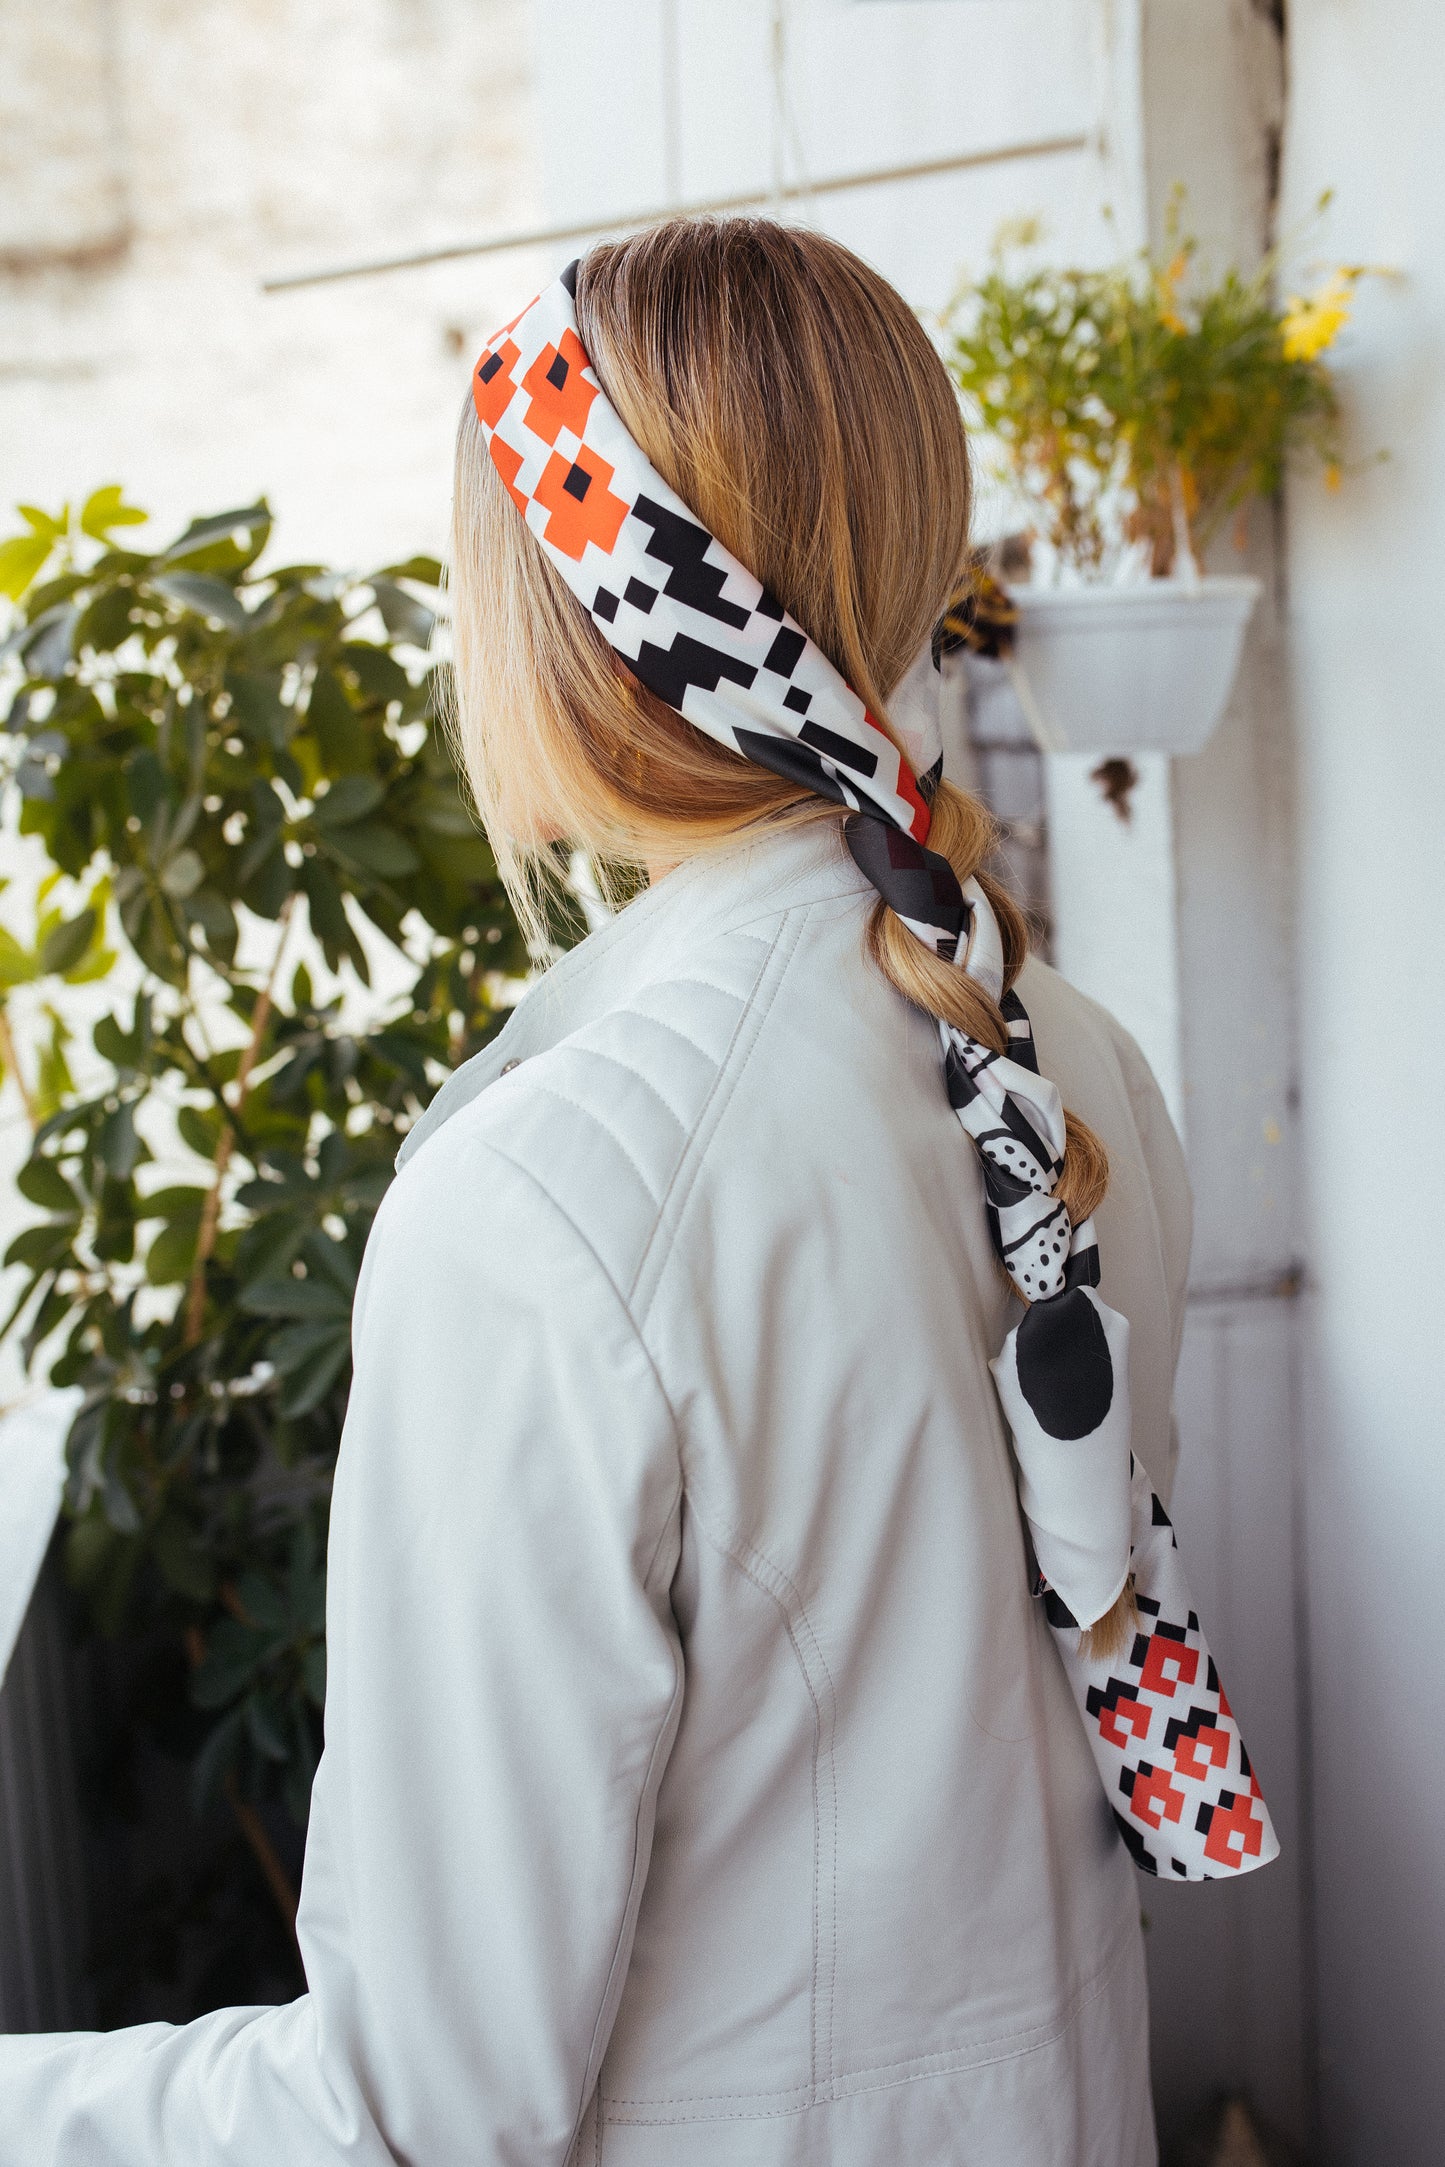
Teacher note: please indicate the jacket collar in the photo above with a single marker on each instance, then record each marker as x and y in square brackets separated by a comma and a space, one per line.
[719, 891]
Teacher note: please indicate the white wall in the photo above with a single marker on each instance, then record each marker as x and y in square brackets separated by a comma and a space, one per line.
[159, 158]
[649, 102]
[1365, 615]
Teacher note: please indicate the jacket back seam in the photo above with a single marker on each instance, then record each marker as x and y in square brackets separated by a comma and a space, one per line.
[769, 1581]
[753, 1013]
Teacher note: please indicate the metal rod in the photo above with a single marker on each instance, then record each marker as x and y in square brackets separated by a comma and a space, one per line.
[547, 236]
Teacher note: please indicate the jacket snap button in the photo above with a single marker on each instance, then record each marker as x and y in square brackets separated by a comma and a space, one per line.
[508, 1066]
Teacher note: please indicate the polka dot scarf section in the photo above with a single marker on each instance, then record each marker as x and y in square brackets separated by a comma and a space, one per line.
[710, 641]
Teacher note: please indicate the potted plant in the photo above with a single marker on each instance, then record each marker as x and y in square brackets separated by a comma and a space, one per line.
[1136, 413]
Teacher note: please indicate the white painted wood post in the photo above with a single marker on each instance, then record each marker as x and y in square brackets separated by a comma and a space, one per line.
[42, 1867]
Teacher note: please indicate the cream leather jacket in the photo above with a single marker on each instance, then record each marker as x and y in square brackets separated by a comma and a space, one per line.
[701, 1785]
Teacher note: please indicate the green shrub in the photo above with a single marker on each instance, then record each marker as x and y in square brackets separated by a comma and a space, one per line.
[231, 764]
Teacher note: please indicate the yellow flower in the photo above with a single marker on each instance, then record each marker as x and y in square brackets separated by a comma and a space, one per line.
[1309, 326]
[1168, 289]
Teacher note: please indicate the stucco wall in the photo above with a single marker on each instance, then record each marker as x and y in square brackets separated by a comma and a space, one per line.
[1366, 565]
[158, 158]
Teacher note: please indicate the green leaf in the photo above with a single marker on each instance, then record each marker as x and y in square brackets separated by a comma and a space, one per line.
[258, 708]
[349, 797]
[216, 1759]
[300, 1298]
[200, 1129]
[208, 597]
[218, 527]
[146, 783]
[329, 921]
[41, 1248]
[183, 1559]
[426, 571]
[21, 559]
[47, 646]
[54, 1084]
[118, 1143]
[375, 848]
[443, 812]
[106, 508]
[42, 1183]
[64, 947]
[120, 1048]
[102, 1564]
[213, 914]
[379, 676]
[18, 966]
[262, 1602]
[45, 523]
[107, 621]
[182, 1203]
[97, 962]
[171, 1255]
[336, 726]
[310, 1358]
[405, 618]
[233, 1655]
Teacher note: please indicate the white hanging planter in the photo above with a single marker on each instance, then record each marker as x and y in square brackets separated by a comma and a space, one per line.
[1144, 668]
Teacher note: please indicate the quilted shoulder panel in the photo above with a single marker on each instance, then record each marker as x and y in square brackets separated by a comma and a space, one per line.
[605, 1120]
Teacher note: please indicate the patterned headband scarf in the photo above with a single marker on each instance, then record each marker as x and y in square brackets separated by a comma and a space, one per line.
[709, 640]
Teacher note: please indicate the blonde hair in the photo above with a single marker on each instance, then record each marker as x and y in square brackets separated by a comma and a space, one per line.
[795, 404]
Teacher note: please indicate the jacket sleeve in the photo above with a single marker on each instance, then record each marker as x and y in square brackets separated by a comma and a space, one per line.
[505, 1684]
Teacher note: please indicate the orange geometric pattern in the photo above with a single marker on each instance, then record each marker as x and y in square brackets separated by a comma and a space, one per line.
[493, 386]
[508, 464]
[1168, 1665]
[1124, 1716]
[1212, 1744]
[1194, 1808]
[560, 394]
[1154, 1799]
[582, 507]
[1235, 1833]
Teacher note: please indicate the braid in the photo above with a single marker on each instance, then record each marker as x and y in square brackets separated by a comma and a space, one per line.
[965, 834]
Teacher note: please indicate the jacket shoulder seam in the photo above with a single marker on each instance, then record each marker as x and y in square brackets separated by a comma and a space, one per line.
[588, 1248]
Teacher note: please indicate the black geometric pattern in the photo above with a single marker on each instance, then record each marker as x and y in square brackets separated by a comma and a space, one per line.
[1186, 1800]
[683, 544]
[670, 672]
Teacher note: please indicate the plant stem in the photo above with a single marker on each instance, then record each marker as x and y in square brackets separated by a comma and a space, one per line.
[211, 1209]
[12, 1061]
[1186, 564]
[253, 1828]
